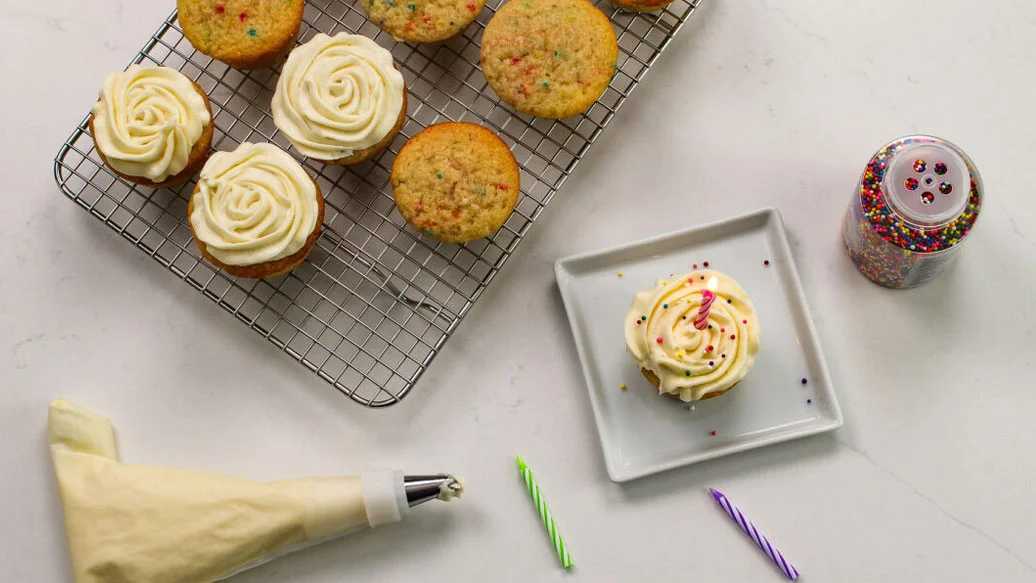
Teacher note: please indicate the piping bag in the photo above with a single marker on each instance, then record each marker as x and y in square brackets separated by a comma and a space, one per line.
[162, 525]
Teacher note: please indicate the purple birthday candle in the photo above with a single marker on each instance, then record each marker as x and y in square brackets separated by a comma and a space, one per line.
[735, 514]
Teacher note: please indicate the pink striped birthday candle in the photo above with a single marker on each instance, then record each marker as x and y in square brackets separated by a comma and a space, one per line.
[735, 514]
[702, 319]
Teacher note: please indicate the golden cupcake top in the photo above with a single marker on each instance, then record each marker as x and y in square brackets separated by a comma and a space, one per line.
[247, 34]
[422, 21]
[253, 205]
[147, 120]
[549, 58]
[337, 95]
[697, 332]
[455, 182]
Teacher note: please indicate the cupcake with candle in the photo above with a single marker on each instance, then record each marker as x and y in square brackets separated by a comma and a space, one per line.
[694, 336]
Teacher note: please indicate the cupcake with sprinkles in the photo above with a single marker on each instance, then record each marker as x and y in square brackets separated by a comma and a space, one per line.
[455, 182]
[549, 58]
[423, 21]
[246, 34]
[693, 336]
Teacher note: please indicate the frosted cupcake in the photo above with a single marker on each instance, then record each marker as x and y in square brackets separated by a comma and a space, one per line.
[255, 212]
[152, 125]
[694, 336]
[340, 99]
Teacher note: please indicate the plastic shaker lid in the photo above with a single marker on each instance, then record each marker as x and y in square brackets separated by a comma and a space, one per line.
[928, 183]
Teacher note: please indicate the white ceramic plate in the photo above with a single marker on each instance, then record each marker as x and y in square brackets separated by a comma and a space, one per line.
[643, 433]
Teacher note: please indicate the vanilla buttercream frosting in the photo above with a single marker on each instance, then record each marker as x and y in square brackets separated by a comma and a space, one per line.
[337, 95]
[165, 525]
[147, 120]
[253, 205]
[691, 363]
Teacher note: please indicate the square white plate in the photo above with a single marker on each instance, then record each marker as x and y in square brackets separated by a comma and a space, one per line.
[643, 433]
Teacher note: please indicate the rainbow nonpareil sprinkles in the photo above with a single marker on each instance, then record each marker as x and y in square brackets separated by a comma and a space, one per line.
[908, 218]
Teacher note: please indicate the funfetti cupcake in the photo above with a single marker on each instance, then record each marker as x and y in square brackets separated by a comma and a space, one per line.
[422, 21]
[340, 99]
[694, 336]
[455, 182]
[255, 211]
[246, 34]
[549, 58]
[152, 125]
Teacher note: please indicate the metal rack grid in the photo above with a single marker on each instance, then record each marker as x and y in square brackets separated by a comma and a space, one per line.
[375, 301]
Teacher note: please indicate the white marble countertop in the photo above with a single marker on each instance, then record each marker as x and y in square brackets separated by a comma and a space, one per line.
[754, 104]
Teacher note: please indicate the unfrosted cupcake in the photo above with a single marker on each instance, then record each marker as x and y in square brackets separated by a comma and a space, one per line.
[549, 58]
[247, 34]
[642, 5]
[340, 99]
[688, 352]
[422, 21]
[455, 182]
[255, 212]
[152, 125]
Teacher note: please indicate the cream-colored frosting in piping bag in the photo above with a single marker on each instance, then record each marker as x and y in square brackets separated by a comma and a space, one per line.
[130, 523]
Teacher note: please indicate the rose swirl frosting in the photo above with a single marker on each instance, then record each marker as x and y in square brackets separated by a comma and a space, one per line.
[691, 363]
[253, 205]
[147, 120]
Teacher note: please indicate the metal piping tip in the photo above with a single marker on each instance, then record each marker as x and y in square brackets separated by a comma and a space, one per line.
[421, 489]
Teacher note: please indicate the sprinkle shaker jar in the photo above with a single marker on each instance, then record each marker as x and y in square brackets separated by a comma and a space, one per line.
[916, 202]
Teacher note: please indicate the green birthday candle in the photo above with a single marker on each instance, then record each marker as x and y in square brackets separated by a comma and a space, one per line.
[541, 507]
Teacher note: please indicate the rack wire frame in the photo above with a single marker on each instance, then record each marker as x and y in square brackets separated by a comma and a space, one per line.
[375, 301]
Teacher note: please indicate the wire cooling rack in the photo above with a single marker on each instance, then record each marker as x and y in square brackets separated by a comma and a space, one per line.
[375, 301]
